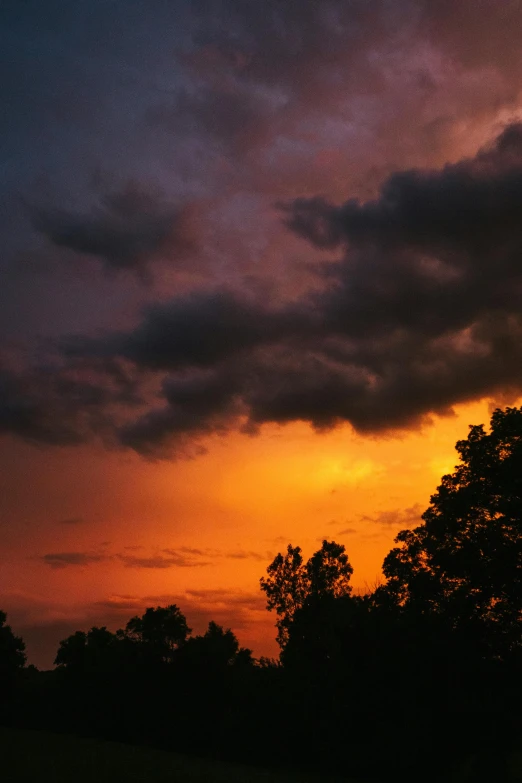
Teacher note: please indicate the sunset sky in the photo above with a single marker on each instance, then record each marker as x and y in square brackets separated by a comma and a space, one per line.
[261, 268]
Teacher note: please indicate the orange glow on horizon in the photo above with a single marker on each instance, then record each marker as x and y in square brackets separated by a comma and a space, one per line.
[223, 515]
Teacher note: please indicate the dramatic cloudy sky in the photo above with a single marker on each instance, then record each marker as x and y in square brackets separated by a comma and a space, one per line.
[261, 267]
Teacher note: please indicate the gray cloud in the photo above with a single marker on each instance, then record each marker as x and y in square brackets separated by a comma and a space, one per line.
[405, 517]
[65, 559]
[249, 555]
[183, 557]
[169, 558]
[237, 554]
[226, 597]
[234, 117]
[172, 560]
[127, 230]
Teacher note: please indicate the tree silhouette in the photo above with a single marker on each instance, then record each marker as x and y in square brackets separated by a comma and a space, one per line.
[12, 660]
[95, 651]
[72, 651]
[12, 650]
[291, 583]
[464, 563]
[214, 651]
[329, 631]
[160, 631]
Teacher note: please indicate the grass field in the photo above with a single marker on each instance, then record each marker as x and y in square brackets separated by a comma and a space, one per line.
[27, 756]
[37, 756]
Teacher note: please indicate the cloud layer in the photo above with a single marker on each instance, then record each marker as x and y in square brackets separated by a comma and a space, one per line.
[184, 557]
[420, 311]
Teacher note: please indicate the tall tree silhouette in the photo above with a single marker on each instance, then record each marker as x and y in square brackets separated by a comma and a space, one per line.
[464, 562]
[291, 583]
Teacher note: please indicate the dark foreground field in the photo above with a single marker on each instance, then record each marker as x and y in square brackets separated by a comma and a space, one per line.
[27, 756]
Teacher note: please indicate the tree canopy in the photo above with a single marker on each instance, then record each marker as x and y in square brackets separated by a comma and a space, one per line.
[162, 630]
[214, 651]
[91, 651]
[464, 562]
[291, 583]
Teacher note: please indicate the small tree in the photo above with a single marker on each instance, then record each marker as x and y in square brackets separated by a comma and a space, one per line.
[291, 583]
[464, 562]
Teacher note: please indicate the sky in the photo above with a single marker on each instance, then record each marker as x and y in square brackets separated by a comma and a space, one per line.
[260, 271]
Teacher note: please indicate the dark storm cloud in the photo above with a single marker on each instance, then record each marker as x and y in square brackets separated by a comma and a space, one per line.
[422, 310]
[65, 404]
[436, 252]
[22, 414]
[202, 402]
[199, 330]
[33, 406]
[467, 207]
[126, 231]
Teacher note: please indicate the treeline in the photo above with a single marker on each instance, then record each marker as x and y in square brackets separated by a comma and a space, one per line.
[418, 678]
